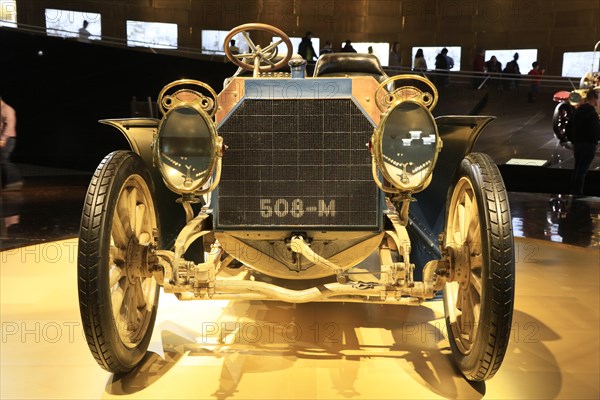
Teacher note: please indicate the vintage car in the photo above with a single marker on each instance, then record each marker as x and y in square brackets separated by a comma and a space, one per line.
[298, 179]
[569, 101]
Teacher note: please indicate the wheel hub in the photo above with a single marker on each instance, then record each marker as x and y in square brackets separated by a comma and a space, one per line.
[136, 260]
[461, 263]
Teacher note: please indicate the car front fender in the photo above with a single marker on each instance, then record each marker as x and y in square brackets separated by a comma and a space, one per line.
[140, 133]
[427, 215]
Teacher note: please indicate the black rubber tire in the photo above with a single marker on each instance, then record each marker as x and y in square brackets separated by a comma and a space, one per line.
[492, 330]
[99, 324]
[562, 121]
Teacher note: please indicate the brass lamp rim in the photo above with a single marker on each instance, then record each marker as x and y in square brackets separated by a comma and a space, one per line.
[378, 156]
[216, 151]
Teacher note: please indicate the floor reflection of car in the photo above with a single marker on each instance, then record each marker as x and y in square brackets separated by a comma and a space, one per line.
[294, 182]
[572, 218]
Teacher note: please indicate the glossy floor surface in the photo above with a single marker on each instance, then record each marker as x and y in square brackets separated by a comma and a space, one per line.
[262, 350]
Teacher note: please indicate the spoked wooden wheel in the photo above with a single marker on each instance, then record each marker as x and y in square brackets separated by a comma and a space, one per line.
[478, 298]
[118, 296]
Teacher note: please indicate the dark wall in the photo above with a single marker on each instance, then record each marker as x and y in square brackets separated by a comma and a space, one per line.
[551, 26]
[61, 88]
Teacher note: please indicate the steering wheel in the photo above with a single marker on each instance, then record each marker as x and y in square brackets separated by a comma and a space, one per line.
[384, 97]
[262, 57]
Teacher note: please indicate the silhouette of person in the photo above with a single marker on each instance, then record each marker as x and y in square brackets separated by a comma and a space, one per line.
[586, 134]
[478, 68]
[84, 34]
[536, 80]
[348, 47]
[395, 59]
[305, 48]
[420, 64]
[512, 68]
[327, 48]
[234, 49]
[494, 68]
[443, 63]
[10, 175]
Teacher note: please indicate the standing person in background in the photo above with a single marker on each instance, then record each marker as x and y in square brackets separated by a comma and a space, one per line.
[586, 134]
[420, 64]
[11, 177]
[348, 47]
[478, 68]
[327, 48]
[449, 60]
[395, 59]
[234, 49]
[512, 68]
[84, 34]
[494, 68]
[536, 80]
[305, 48]
[441, 68]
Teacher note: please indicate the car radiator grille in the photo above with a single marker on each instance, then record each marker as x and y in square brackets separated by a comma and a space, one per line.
[297, 163]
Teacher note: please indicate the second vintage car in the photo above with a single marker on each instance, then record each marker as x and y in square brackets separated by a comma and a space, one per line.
[562, 119]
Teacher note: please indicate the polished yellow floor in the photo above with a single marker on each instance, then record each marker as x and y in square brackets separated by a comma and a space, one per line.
[269, 350]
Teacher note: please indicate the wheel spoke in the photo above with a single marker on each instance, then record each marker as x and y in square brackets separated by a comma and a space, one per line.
[268, 61]
[241, 56]
[475, 296]
[467, 314]
[458, 240]
[249, 41]
[129, 308]
[117, 297]
[140, 301]
[272, 46]
[476, 261]
[451, 290]
[475, 300]
[461, 222]
[476, 283]
[115, 275]
[140, 214]
[132, 208]
[473, 227]
[117, 255]
[119, 230]
[122, 223]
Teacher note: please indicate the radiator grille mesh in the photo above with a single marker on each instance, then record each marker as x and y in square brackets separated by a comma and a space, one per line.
[297, 163]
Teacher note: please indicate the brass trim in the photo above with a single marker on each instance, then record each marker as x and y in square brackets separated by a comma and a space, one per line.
[187, 96]
[406, 93]
[363, 88]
